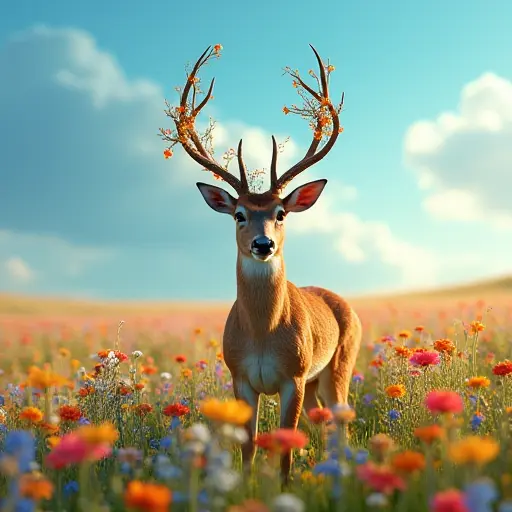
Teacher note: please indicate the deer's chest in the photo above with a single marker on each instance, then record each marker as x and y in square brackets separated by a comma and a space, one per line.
[263, 372]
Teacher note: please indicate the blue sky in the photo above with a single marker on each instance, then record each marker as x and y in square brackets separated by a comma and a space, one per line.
[418, 191]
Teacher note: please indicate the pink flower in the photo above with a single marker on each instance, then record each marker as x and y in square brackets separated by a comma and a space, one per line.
[427, 358]
[451, 500]
[380, 478]
[439, 401]
[73, 450]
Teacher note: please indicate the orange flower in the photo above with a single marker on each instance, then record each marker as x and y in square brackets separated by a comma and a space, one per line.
[404, 334]
[44, 379]
[249, 506]
[100, 434]
[148, 369]
[503, 368]
[330, 68]
[478, 382]
[35, 486]
[167, 153]
[83, 392]
[419, 328]
[476, 326]
[64, 352]
[31, 414]
[186, 373]
[143, 409]
[403, 351]
[381, 443]
[235, 412]
[444, 345]
[48, 429]
[395, 391]
[408, 461]
[217, 48]
[429, 433]
[474, 450]
[286, 110]
[319, 415]
[147, 497]
[69, 413]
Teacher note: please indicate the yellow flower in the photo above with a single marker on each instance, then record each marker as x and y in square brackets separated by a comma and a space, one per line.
[64, 352]
[474, 450]
[476, 326]
[42, 379]
[53, 441]
[395, 391]
[104, 433]
[35, 486]
[478, 382]
[235, 412]
[213, 343]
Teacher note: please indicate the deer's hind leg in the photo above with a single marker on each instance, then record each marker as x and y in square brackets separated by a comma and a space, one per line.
[311, 400]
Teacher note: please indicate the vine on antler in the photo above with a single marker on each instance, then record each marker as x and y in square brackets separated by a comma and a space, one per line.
[317, 108]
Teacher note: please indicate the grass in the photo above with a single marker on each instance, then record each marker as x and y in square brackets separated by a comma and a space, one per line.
[146, 456]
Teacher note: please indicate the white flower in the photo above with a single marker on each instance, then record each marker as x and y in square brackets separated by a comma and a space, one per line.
[198, 432]
[225, 480]
[136, 354]
[377, 499]
[165, 376]
[288, 503]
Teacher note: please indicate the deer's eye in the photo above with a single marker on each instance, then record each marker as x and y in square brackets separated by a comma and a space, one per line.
[280, 215]
[239, 217]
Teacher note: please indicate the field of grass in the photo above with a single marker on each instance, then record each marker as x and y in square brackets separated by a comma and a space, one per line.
[101, 416]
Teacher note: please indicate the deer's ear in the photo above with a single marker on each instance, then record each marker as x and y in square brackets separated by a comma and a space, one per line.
[217, 198]
[304, 197]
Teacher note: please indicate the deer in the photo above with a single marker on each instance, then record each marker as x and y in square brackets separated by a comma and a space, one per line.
[298, 342]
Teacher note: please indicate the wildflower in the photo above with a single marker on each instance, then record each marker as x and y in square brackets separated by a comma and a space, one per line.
[408, 461]
[35, 486]
[478, 382]
[47, 428]
[394, 414]
[186, 373]
[288, 503]
[180, 359]
[43, 379]
[73, 449]
[143, 409]
[136, 354]
[476, 326]
[31, 415]
[217, 48]
[474, 450]
[404, 334]
[320, 415]
[380, 478]
[104, 433]
[440, 401]
[282, 440]
[444, 346]
[503, 368]
[148, 369]
[425, 359]
[450, 500]
[236, 412]
[176, 410]
[480, 494]
[69, 413]
[198, 432]
[403, 351]
[249, 506]
[357, 377]
[381, 443]
[147, 497]
[64, 352]
[376, 499]
[343, 413]
[395, 391]
[286, 110]
[429, 433]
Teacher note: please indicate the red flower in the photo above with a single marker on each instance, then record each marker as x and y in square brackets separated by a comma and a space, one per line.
[444, 401]
[180, 359]
[176, 410]
[380, 478]
[282, 440]
[319, 415]
[503, 368]
[143, 409]
[69, 413]
[425, 358]
[450, 500]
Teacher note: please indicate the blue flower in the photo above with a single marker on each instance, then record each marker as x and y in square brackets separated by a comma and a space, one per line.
[368, 399]
[473, 399]
[480, 495]
[84, 421]
[175, 423]
[71, 488]
[476, 421]
[2, 400]
[154, 444]
[393, 414]
[361, 456]
[330, 467]
[165, 443]
[21, 444]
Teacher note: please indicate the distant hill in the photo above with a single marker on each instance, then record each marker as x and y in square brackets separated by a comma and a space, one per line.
[11, 304]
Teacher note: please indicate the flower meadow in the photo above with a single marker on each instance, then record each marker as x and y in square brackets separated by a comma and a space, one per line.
[107, 415]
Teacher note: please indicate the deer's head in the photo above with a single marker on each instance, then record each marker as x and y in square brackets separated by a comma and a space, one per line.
[260, 217]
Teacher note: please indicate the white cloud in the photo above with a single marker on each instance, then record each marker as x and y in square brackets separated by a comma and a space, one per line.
[18, 269]
[463, 159]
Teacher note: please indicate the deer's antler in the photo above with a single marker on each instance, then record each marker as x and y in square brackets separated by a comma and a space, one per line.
[324, 113]
[184, 118]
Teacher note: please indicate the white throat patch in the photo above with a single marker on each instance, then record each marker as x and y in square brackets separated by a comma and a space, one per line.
[251, 267]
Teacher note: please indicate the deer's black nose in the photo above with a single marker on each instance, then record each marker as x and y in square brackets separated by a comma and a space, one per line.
[262, 245]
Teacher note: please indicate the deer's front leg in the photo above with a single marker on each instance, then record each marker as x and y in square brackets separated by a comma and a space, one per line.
[291, 396]
[244, 391]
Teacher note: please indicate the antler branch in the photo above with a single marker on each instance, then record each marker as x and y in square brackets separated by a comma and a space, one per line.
[325, 122]
[184, 118]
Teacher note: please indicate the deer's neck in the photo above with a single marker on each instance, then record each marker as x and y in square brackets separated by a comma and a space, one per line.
[262, 294]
